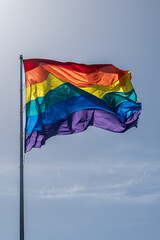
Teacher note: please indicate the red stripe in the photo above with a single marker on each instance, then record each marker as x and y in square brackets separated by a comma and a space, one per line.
[30, 64]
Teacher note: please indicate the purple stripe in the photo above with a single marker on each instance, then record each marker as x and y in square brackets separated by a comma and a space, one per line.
[78, 122]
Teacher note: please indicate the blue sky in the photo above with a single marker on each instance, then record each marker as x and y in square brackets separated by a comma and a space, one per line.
[96, 184]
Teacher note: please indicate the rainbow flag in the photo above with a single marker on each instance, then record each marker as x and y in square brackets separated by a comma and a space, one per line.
[66, 98]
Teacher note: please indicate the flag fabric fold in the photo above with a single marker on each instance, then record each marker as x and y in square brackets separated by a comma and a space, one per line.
[66, 98]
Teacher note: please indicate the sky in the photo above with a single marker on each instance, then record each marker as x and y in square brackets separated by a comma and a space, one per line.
[96, 184]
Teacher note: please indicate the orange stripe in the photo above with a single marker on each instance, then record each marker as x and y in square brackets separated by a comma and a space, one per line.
[37, 75]
[104, 76]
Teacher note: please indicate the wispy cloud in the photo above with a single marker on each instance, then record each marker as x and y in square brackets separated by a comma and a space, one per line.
[110, 193]
[121, 178]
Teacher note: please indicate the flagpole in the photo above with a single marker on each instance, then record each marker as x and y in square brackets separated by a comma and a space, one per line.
[21, 154]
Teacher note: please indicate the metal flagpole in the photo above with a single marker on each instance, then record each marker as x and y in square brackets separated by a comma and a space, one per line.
[21, 154]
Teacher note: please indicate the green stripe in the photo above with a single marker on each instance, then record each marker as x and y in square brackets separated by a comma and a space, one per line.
[115, 98]
[66, 91]
[61, 93]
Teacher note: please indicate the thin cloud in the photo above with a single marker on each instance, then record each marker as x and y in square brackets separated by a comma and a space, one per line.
[104, 193]
[120, 179]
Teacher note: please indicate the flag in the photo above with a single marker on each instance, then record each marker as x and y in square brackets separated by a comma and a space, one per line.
[66, 98]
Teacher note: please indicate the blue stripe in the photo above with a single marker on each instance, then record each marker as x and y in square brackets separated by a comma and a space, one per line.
[126, 109]
[63, 109]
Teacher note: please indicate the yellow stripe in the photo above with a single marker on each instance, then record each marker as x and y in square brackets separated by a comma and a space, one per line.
[123, 85]
[40, 89]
